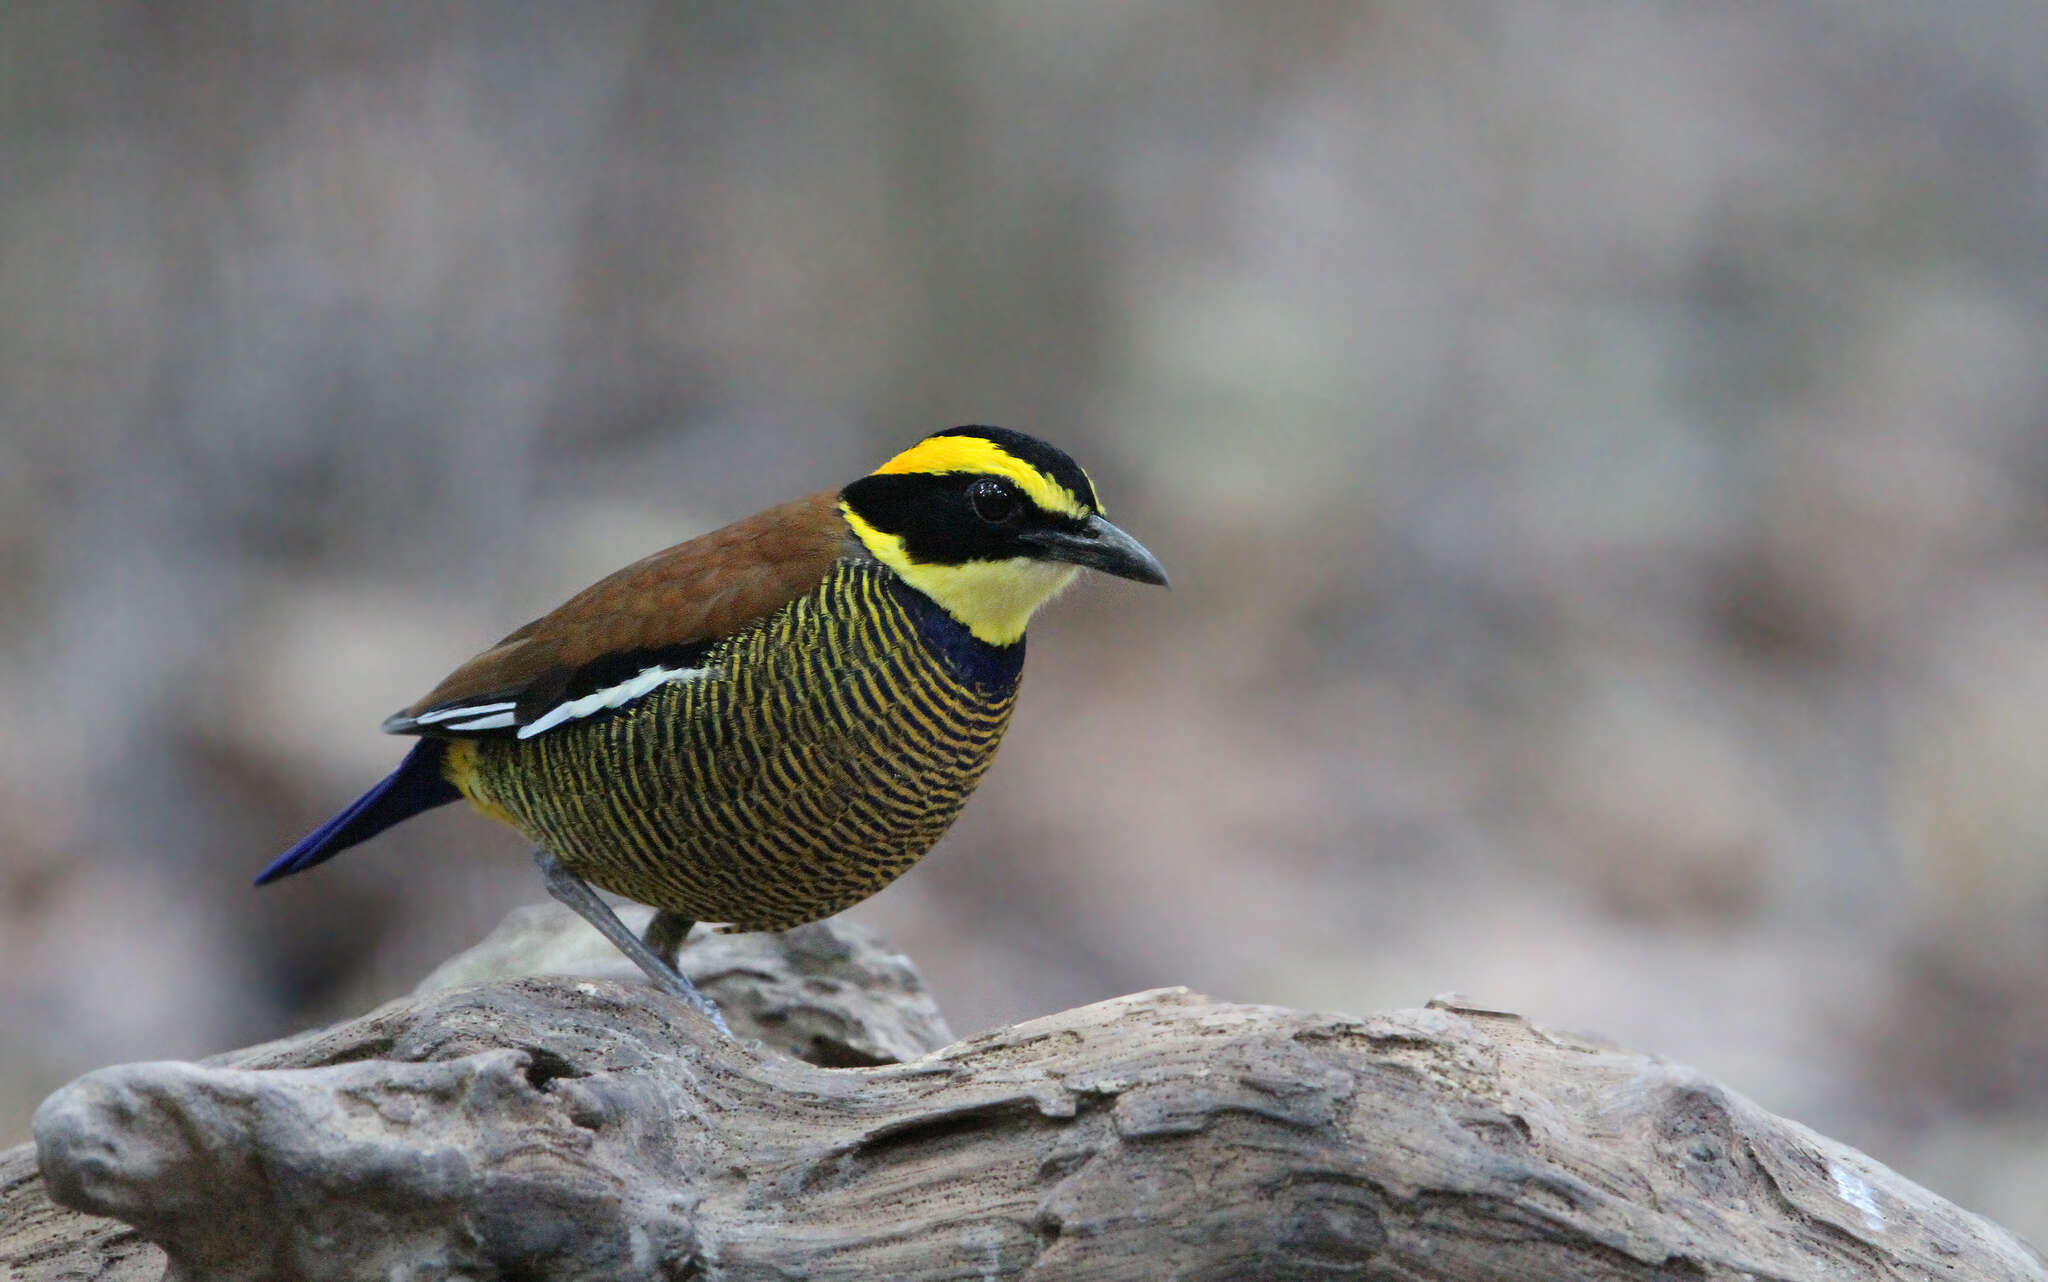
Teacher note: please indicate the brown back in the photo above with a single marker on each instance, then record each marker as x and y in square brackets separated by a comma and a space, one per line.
[702, 590]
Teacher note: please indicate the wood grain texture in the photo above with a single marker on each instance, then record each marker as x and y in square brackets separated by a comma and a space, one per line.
[701, 590]
[565, 1129]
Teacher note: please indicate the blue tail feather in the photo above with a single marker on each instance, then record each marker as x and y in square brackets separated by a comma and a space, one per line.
[415, 786]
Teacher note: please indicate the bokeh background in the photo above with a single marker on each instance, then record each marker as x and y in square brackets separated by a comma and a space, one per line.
[1600, 449]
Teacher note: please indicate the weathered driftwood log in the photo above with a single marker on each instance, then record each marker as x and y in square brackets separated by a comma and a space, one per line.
[590, 1129]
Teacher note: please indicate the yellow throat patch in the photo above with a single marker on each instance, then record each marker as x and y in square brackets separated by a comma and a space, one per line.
[993, 599]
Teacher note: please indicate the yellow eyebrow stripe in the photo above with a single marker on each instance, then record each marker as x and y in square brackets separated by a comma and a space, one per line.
[975, 454]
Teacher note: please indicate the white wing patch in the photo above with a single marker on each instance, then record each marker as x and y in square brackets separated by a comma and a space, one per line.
[596, 701]
[496, 721]
[469, 710]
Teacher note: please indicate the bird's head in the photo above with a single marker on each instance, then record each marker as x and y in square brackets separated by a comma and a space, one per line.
[991, 524]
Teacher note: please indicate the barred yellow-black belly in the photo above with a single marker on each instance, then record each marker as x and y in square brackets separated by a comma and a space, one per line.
[831, 746]
[766, 724]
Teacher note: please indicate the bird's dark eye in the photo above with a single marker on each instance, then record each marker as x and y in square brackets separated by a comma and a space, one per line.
[994, 501]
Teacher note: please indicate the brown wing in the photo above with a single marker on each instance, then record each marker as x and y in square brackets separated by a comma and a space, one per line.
[686, 596]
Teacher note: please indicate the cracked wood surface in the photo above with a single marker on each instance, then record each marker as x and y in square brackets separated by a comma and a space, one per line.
[561, 1128]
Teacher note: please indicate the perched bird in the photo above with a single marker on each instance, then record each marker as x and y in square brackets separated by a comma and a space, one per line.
[765, 725]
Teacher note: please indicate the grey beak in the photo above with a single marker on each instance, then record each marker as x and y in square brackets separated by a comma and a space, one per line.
[1098, 545]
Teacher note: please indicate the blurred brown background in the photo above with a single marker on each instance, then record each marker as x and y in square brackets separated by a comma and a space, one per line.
[1600, 449]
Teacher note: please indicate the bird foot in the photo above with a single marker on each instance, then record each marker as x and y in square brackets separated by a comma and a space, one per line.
[572, 890]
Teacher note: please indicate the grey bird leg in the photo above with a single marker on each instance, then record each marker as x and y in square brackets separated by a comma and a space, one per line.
[665, 934]
[660, 966]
